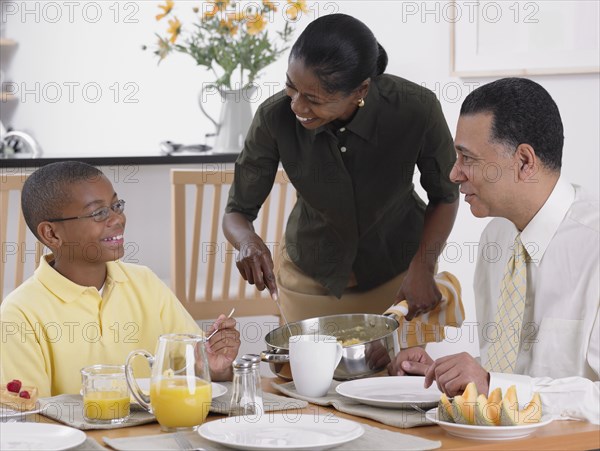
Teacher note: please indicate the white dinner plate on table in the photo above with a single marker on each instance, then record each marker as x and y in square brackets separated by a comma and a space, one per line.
[284, 432]
[39, 436]
[392, 392]
[488, 432]
[7, 413]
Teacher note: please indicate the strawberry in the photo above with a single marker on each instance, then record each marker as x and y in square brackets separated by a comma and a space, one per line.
[24, 394]
[14, 386]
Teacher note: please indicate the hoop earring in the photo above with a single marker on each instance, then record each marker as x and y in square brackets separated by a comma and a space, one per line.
[361, 102]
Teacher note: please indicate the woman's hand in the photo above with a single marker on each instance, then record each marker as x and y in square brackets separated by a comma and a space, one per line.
[419, 290]
[222, 348]
[255, 264]
[254, 258]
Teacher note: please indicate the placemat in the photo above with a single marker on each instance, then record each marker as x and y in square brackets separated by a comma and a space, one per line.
[373, 439]
[400, 418]
[271, 402]
[68, 409]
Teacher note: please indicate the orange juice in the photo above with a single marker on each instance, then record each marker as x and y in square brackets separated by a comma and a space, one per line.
[179, 404]
[105, 405]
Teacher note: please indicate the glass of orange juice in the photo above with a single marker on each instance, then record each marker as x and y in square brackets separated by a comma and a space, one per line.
[105, 394]
[180, 387]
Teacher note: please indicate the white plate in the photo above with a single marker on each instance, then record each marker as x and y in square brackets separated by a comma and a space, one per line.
[144, 383]
[488, 432]
[281, 432]
[39, 436]
[5, 412]
[392, 392]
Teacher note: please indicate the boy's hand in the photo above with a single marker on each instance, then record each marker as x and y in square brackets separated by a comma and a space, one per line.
[222, 348]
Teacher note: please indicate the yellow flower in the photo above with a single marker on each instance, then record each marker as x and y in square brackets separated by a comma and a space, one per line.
[232, 28]
[227, 26]
[255, 24]
[236, 17]
[213, 7]
[270, 5]
[174, 29]
[163, 49]
[166, 9]
[294, 9]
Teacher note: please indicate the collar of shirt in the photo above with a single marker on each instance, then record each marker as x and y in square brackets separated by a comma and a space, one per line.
[540, 230]
[364, 123]
[66, 290]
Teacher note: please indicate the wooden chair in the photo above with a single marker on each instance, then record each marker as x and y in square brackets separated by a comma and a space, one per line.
[15, 252]
[211, 284]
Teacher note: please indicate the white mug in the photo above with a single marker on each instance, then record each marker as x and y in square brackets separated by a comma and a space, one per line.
[313, 359]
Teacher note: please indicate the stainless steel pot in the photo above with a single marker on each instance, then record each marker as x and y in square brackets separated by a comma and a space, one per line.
[377, 343]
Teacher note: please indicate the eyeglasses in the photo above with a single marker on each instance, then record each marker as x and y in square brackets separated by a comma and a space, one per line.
[99, 215]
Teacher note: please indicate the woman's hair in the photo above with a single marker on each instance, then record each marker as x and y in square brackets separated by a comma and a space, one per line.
[341, 51]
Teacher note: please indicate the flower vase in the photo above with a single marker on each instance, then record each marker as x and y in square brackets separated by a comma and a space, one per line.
[235, 118]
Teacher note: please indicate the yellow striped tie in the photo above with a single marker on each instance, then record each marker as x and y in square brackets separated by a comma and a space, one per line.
[502, 353]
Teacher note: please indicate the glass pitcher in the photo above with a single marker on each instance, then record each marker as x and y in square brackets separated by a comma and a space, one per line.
[180, 387]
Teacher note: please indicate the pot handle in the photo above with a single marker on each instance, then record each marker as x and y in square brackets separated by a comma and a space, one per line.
[270, 357]
[399, 310]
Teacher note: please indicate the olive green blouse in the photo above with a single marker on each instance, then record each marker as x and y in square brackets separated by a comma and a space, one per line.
[357, 210]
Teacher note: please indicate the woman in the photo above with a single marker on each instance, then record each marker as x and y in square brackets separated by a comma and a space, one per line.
[349, 137]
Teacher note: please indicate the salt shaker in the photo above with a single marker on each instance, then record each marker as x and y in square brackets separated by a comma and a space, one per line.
[255, 359]
[244, 398]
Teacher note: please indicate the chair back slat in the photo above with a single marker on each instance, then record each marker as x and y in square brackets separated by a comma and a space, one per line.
[15, 253]
[196, 230]
[213, 282]
[212, 246]
[280, 223]
[227, 270]
[20, 268]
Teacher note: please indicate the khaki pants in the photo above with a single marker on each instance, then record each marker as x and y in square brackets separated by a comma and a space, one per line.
[303, 297]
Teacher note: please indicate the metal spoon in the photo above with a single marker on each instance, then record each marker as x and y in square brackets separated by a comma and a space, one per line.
[217, 329]
[283, 316]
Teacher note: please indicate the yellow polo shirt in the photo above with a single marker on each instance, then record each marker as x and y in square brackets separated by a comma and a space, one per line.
[52, 327]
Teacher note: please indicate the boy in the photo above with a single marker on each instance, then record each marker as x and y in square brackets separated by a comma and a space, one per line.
[83, 306]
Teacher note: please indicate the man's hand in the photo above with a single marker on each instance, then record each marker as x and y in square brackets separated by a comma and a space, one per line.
[419, 290]
[452, 374]
[222, 348]
[413, 361]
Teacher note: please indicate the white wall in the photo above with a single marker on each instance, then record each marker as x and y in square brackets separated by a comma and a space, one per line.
[107, 53]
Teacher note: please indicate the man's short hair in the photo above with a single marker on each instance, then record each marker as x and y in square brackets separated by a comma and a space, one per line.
[523, 113]
[49, 189]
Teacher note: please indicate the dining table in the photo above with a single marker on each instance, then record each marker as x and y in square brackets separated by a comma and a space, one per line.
[558, 435]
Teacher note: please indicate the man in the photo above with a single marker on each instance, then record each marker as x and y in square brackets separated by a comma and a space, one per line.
[537, 277]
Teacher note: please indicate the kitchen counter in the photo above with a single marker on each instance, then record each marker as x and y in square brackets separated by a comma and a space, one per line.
[25, 161]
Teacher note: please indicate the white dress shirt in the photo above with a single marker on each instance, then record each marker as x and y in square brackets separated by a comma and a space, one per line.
[559, 355]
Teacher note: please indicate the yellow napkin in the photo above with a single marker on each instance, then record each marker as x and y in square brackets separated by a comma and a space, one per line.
[429, 327]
